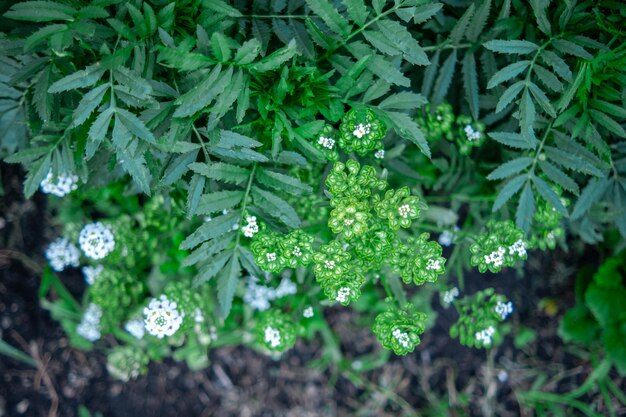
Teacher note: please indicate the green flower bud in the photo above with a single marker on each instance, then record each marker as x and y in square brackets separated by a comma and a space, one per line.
[267, 251]
[349, 217]
[500, 244]
[419, 260]
[327, 143]
[399, 329]
[297, 249]
[361, 132]
[276, 331]
[398, 207]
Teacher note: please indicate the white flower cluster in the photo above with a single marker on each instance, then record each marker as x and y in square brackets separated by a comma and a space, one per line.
[433, 264]
[272, 336]
[251, 228]
[402, 338]
[308, 312]
[96, 240]
[504, 309]
[135, 328]
[404, 210]
[60, 186]
[62, 253]
[271, 256]
[518, 247]
[162, 318]
[329, 264]
[485, 335]
[343, 294]
[447, 297]
[259, 296]
[361, 130]
[379, 154]
[89, 326]
[471, 134]
[446, 238]
[496, 257]
[198, 316]
[327, 143]
[91, 273]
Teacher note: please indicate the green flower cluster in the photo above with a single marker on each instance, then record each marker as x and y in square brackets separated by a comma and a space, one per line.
[361, 132]
[356, 183]
[479, 317]
[127, 362]
[327, 143]
[274, 252]
[399, 329]
[442, 123]
[398, 207]
[547, 227]
[500, 244]
[470, 134]
[276, 331]
[116, 292]
[418, 260]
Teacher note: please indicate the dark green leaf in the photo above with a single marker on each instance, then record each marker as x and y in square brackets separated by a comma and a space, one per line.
[509, 168]
[509, 190]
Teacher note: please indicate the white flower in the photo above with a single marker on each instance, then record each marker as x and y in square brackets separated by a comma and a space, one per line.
[343, 294]
[402, 337]
[308, 312]
[258, 296]
[198, 316]
[225, 212]
[504, 309]
[446, 238]
[135, 328]
[285, 288]
[91, 273]
[62, 253]
[379, 154]
[60, 185]
[296, 251]
[485, 335]
[271, 257]
[272, 336]
[96, 240]
[361, 130]
[329, 264]
[496, 257]
[449, 296]
[471, 134]
[235, 226]
[518, 247]
[251, 228]
[207, 218]
[433, 265]
[162, 318]
[328, 143]
[404, 210]
[89, 326]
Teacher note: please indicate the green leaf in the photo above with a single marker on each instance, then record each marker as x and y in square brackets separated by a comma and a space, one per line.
[406, 127]
[201, 95]
[177, 167]
[357, 11]
[221, 171]
[275, 207]
[248, 52]
[592, 193]
[218, 226]
[549, 195]
[539, 9]
[509, 190]
[404, 100]
[400, 37]
[213, 246]
[479, 21]
[136, 167]
[527, 116]
[429, 75]
[519, 47]
[282, 182]
[602, 119]
[509, 95]
[43, 100]
[42, 34]
[27, 156]
[327, 12]
[229, 139]
[445, 78]
[98, 131]
[276, 59]
[470, 82]
[36, 173]
[608, 108]
[218, 201]
[16, 354]
[424, 12]
[514, 140]
[222, 8]
[578, 325]
[558, 177]
[79, 79]
[542, 99]
[509, 168]
[525, 209]
[570, 92]
[461, 25]
[88, 104]
[220, 47]
[40, 11]
[508, 72]
[547, 78]
[227, 284]
[571, 161]
[211, 267]
[570, 48]
[558, 64]
[196, 187]
[134, 125]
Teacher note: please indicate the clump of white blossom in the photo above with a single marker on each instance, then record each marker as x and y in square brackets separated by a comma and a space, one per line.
[343, 294]
[60, 185]
[61, 253]
[519, 247]
[327, 143]
[251, 228]
[259, 296]
[161, 317]
[135, 328]
[272, 336]
[402, 338]
[96, 240]
[485, 335]
[496, 257]
[447, 297]
[91, 273]
[504, 309]
[308, 312]
[361, 130]
[446, 238]
[404, 210]
[89, 326]
[433, 264]
[198, 316]
[472, 134]
[379, 154]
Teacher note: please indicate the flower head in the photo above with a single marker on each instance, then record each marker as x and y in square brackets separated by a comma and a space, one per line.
[379, 154]
[308, 312]
[503, 309]
[96, 240]
[61, 253]
[251, 228]
[91, 273]
[276, 331]
[162, 317]
[60, 185]
[89, 326]
[135, 328]
[484, 336]
[361, 131]
[399, 329]
[447, 297]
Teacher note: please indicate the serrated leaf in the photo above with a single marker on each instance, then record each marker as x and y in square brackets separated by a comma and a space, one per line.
[327, 12]
[509, 168]
[558, 64]
[213, 246]
[134, 125]
[508, 72]
[525, 209]
[479, 21]
[98, 131]
[40, 11]
[221, 171]
[527, 116]
[558, 177]
[509, 95]
[470, 82]
[456, 34]
[571, 161]
[275, 207]
[542, 99]
[444, 79]
[514, 140]
[602, 119]
[135, 166]
[387, 71]
[519, 47]
[539, 9]
[429, 75]
[608, 108]
[221, 7]
[292, 158]
[570, 48]
[357, 11]
[36, 173]
[218, 201]
[404, 100]
[509, 190]
[276, 59]
[229, 139]
[406, 127]
[424, 12]
[43, 100]
[547, 78]
[42, 34]
[79, 79]
[400, 37]
[248, 52]
[218, 226]
[201, 95]
[592, 193]
[194, 193]
[227, 284]
[282, 182]
[88, 104]
[549, 195]
[177, 167]
[211, 267]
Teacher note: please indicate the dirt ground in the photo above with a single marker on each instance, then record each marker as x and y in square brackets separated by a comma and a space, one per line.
[441, 378]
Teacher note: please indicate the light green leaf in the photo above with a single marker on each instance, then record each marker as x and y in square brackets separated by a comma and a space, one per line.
[558, 176]
[98, 131]
[213, 246]
[218, 201]
[509, 95]
[201, 95]
[221, 171]
[550, 80]
[218, 226]
[508, 72]
[275, 207]
[327, 12]
[177, 167]
[549, 195]
[276, 59]
[479, 21]
[470, 82]
[406, 127]
[40, 11]
[227, 284]
[558, 64]
[194, 193]
[519, 47]
[542, 99]
[525, 209]
[424, 12]
[248, 52]
[221, 7]
[461, 25]
[79, 79]
[229, 139]
[592, 193]
[570, 48]
[514, 140]
[400, 37]
[357, 11]
[134, 125]
[404, 100]
[445, 79]
[602, 119]
[36, 173]
[282, 182]
[41, 35]
[509, 168]
[509, 190]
